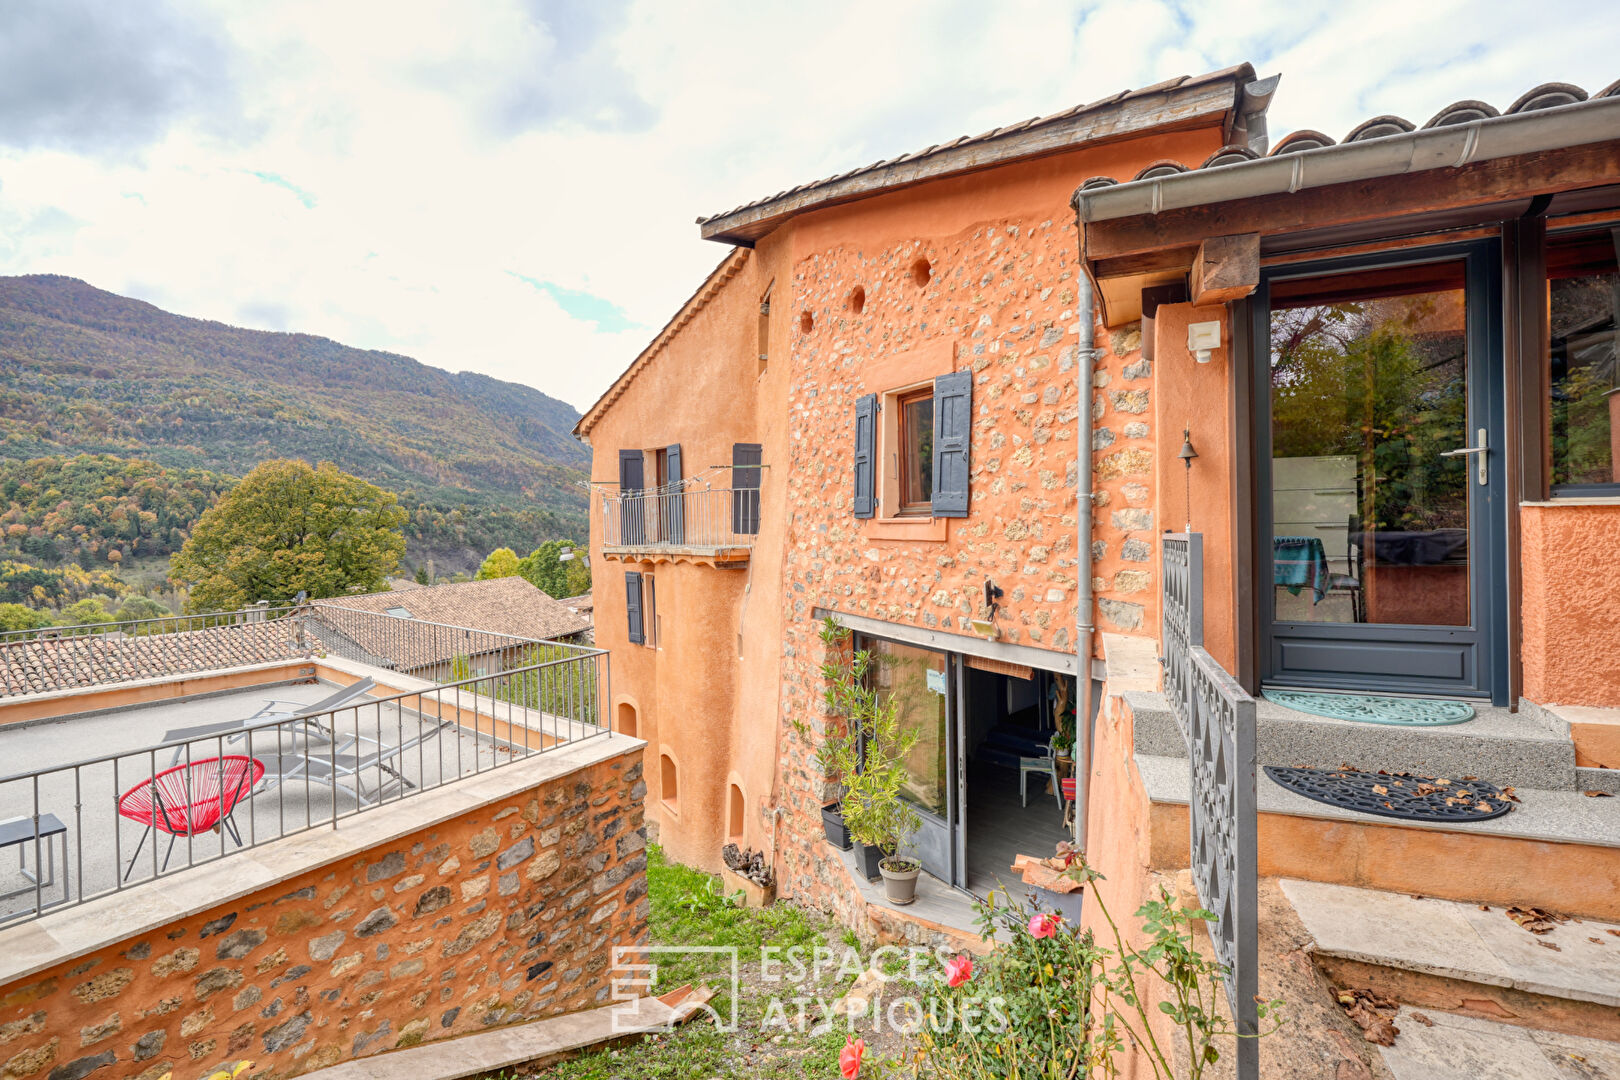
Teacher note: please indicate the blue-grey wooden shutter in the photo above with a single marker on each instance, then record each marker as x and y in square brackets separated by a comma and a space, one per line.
[632, 606]
[674, 497]
[865, 455]
[632, 518]
[745, 462]
[953, 433]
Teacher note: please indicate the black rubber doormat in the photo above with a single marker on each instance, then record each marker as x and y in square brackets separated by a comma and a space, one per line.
[1398, 795]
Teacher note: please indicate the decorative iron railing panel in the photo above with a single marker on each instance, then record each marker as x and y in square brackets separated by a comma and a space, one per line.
[1217, 719]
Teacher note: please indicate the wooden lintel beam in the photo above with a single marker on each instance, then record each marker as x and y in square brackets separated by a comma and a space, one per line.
[1366, 200]
[1226, 268]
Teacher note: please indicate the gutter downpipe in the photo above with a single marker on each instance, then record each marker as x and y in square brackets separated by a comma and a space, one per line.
[1085, 630]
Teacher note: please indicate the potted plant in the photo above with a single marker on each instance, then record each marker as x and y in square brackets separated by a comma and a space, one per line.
[1062, 743]
[864, 751]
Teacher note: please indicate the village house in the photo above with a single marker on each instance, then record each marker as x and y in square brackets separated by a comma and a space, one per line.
[1136, 415]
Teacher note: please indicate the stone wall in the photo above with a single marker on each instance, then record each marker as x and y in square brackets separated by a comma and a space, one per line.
[1002, 295]
[507, 913]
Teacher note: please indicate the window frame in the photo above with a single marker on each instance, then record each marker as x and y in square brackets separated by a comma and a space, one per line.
[1605, 490]
[906, 450]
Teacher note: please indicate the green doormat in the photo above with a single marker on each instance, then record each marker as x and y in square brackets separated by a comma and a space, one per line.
[1372, 709]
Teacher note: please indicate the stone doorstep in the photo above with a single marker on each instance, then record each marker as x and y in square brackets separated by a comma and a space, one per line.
[1459, 941]
[1560, 817]
[1452, 1047]
[1597, 780]
[30, 947]
[1524, 750]
[518, 1044]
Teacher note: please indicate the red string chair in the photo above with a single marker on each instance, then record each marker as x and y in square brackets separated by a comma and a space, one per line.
[189, 799]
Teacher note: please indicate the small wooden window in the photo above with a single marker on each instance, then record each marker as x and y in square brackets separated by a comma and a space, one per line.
[915, 454]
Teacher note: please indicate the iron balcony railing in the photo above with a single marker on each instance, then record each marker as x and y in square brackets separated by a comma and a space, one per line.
[85, 828]
[686, 516]
[1217, 720]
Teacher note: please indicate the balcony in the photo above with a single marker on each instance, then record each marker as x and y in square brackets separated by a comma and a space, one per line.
[684, 522]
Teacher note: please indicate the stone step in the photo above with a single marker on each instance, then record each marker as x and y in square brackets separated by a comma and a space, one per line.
[1558, 850]
[1529, 749]
[1464, 958]
[1597, 780]
[1443, 1046]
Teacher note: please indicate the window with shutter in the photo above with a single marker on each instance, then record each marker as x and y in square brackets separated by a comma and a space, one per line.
[865, 455]
[953, 434]
[745, 461]
[632, 606]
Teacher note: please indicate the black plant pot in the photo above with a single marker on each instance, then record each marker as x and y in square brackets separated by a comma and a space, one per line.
[832, 820]
[866, 861]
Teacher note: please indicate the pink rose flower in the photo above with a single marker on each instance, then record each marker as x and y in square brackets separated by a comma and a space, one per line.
[849, 1058]
[958, 970]
[1044, 926]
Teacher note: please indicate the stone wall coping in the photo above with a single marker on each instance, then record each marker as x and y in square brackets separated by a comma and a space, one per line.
[31, 947]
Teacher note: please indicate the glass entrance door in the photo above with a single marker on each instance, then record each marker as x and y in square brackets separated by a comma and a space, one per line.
[1380, 466]
[918, 681]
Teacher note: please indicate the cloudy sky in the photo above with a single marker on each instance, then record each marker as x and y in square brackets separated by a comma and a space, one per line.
[509, 186]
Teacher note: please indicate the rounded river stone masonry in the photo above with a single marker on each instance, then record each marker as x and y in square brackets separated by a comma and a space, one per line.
[405, 943]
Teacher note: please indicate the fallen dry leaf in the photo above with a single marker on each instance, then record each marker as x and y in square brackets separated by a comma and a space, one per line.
[1372, 1013]
[1616, 933]
[1549, 945]
[1598, 794]
[1596, 940]
[1424, 1020]
[1484, 907]
[1535, 920]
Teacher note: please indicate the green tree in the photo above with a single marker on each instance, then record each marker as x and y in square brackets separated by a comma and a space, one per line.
[290, 528]
[545, 570]
[141, 607]
[422, 575]
[502, 562]
[21, 617]
[579, 577]
[86, 611]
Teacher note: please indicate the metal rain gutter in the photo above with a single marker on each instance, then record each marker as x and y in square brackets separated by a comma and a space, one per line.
[1084, 504]
[1449, 147]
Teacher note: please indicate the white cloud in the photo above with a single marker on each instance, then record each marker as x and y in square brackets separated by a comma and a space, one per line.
[449, 150]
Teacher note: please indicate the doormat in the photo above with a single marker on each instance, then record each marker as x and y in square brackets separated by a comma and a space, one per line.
[1372, 709]
[1398, 795]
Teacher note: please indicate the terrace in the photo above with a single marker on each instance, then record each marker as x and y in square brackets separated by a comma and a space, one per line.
[228, 726]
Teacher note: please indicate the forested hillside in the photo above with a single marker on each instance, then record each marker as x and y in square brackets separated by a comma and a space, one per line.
[478, 463]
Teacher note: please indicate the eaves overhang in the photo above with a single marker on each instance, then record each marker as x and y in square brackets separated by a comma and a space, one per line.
[1176, 104]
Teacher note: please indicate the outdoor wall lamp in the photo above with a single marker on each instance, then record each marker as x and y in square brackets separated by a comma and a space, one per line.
[1202, 339]
[986, 627]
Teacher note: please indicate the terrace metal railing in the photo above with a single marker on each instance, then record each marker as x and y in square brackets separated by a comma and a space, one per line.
[93, 654]
[1217, 719]
[688, 514]
[128, 816]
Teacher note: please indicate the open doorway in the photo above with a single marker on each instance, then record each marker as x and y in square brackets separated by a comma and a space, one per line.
[1015, 801]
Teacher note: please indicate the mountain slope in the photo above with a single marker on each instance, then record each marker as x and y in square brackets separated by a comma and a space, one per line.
[87, 371]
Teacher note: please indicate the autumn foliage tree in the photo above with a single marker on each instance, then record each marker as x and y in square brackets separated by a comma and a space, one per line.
[290, 528]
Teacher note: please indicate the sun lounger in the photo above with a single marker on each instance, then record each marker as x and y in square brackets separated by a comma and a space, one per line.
[349, 759]
[269, 716]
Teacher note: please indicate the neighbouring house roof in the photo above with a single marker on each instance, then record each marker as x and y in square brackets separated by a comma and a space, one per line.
[404, 584]
[1231, 95]
[722, 273]
[582, 603]
[1549, 116]
[508, 605]
[43, 665]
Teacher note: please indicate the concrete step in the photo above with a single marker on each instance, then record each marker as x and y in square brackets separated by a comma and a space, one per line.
[1597, 780]
[1442, 1046]
[1528, 749]
[1558, 850]
[1464, 958]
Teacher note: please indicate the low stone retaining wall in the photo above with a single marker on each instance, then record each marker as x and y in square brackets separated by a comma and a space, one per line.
[503, 912]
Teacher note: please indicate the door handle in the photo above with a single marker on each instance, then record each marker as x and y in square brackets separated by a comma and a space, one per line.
[1483, 450]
